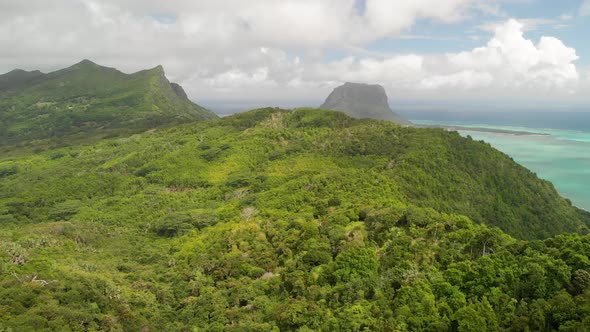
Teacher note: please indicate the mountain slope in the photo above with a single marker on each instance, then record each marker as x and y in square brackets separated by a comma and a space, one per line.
[422, 167]
[362, 101]
[88, 101]
[287, 220]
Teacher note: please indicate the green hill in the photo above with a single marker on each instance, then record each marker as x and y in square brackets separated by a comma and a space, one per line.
[86, 102]
[17, 79]
[276, 220]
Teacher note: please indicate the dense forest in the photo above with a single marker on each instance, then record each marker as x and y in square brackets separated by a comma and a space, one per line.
[276, 220]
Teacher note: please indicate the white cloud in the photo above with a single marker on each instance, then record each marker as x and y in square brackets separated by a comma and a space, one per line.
[566, 17]
[109, 26]
[274, 50]
[491, 9]
[465, 79]
[386, 17]
[508, 62]
[198, 35]
[531, 24]
[516, 61]
[585, 8]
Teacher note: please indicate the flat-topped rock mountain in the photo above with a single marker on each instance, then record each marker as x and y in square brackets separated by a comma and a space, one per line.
[87, 101]
[362, 101]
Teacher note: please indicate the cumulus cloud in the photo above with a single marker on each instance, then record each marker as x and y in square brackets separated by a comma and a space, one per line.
[215, 40]
[110, 28]
[514, 61]
[387, 17]
[273, 50]
[507, 62]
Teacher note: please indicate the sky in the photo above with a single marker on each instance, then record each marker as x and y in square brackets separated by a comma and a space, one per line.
[234, 55]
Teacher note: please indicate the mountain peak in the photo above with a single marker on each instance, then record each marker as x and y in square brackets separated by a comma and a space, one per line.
[86, 62]
[361, 100]
[355, 84]
[85, 65]
[93, 99]
[18, 78]
[18, 72]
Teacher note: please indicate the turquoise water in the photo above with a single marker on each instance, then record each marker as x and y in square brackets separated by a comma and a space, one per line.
[562, 156]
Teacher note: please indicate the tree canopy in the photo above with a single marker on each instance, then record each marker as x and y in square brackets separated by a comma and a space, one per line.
[277, 220]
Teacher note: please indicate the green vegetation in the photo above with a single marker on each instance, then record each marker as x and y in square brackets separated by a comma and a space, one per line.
[277, 220]
[86, 102]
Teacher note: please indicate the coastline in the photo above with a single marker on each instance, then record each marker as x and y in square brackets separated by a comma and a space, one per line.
[561, 156]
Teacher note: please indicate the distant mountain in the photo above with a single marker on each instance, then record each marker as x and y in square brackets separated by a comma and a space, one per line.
[362, 101]
[17, 79]
[87, 101]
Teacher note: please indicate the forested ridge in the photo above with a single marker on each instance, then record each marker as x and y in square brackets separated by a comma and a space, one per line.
[87, 102]
[276, 220]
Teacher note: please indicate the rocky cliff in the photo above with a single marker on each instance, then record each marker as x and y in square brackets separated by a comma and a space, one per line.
[362, 101]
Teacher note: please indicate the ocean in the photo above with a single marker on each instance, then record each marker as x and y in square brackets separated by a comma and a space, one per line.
[561, 155]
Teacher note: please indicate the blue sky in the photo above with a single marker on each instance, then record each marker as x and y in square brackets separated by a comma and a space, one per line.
[236, 54]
